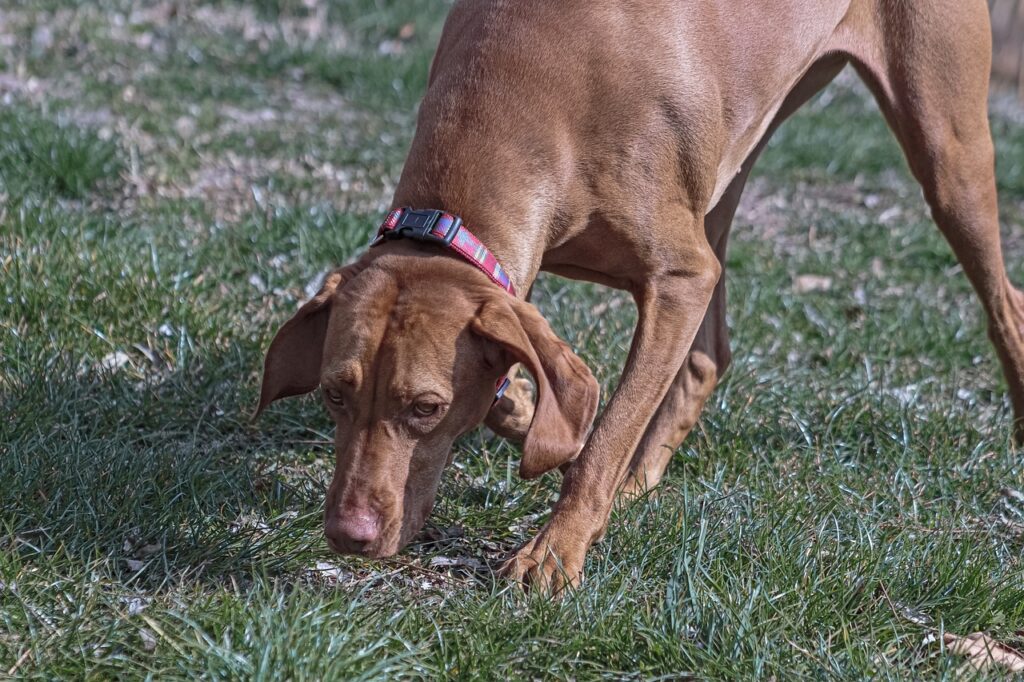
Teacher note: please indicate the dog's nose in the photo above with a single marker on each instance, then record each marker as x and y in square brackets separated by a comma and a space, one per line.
[352, 531]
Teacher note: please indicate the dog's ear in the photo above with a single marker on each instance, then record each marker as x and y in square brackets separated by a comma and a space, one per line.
[567, 392]
[292, 365]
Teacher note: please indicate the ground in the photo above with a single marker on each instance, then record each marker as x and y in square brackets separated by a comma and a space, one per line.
[175, 176]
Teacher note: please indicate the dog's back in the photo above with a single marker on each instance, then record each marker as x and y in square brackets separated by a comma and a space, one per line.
[516, 86]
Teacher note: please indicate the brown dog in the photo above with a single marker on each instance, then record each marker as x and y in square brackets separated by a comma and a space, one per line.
[609, 141]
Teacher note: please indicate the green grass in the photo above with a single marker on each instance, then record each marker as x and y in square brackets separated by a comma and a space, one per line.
[848, 492]
[39, 156]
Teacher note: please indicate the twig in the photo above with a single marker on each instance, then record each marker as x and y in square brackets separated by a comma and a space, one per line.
[21, 660]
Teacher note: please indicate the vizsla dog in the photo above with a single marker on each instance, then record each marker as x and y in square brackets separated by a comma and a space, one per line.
[610, 141]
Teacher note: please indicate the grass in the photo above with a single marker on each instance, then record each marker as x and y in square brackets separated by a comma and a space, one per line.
[848, 492]
[39, 155]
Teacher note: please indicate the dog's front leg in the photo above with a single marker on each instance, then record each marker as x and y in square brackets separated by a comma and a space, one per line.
[671, 305]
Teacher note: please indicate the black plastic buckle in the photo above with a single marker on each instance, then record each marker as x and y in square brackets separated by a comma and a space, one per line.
[503, 385]
[419, 224]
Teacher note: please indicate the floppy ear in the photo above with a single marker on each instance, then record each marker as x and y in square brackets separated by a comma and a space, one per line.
[292, 365]
[567, 392]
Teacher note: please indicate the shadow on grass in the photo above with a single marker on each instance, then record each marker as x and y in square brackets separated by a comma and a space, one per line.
[167, 478]
[171, 479]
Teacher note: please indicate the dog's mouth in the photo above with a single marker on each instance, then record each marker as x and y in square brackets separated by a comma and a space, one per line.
[375, 550]
[334, 546]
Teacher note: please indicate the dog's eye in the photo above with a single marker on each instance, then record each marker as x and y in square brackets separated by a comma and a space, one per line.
[334, 397]
[425, 409]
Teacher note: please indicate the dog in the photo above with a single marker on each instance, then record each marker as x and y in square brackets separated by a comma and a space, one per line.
[608, 141]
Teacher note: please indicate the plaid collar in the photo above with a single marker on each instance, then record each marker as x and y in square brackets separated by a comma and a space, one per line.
[447, 230]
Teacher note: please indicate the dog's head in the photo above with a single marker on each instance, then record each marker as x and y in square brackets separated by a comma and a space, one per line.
[406, 349]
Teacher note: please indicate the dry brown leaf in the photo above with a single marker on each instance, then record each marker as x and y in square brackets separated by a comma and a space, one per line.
[984, 653]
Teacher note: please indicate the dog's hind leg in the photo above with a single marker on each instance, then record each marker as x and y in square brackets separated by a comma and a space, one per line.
[511, 415]
[930, 74]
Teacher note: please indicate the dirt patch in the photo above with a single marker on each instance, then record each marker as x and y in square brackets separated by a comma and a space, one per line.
[233, 186]
[228, 181]
[788, 215]
[292, 31]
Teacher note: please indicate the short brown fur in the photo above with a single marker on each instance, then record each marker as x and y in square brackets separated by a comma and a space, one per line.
[611, 141]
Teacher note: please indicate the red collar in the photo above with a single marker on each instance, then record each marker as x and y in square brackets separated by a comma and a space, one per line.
[447, 230]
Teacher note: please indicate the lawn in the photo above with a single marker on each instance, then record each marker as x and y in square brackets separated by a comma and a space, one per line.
[175, 176]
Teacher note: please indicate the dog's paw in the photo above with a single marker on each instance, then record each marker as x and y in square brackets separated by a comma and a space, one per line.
[512, 414]
[548, 563]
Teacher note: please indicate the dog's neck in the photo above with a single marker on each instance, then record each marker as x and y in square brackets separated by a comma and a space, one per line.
[513, 231]
[502, 186]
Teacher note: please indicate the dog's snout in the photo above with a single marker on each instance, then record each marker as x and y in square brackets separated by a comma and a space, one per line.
[352, 531]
